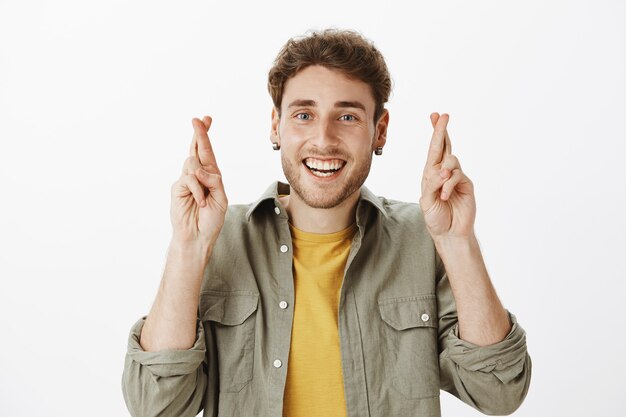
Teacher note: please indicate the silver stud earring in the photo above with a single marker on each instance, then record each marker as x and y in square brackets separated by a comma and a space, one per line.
[379, 150]
[276, 145]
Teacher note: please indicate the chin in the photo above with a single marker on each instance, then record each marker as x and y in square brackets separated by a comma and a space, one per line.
[323, 196]
[315, 200]
[325, 193]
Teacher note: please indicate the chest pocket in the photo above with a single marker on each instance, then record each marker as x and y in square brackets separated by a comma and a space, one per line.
[411, 344]
[231, 318]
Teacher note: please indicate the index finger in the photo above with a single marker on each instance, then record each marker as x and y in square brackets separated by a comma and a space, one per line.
[204, 150]
[193, 148]
[439, 141]
[447, 146]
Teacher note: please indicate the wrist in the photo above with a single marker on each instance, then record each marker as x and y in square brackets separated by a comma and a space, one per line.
[190, 243]
[448, 242]
[192, 251]
[185, 266]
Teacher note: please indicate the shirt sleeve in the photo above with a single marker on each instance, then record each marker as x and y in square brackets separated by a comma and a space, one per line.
[167, 382]
[494, 379]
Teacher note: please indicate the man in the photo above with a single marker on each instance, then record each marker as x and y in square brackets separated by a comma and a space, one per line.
[321, 299]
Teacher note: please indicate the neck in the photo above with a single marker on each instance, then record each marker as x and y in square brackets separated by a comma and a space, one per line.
[317, 220]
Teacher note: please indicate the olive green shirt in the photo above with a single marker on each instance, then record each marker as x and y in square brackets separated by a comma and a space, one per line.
[397, 320]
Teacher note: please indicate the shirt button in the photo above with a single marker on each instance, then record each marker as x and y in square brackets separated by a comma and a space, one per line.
[277, 363]
[425, 317]
[282, 304]
[284, 248]
[276, 210]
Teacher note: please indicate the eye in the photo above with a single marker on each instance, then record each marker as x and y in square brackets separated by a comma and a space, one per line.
[305, 116]
[351, 117]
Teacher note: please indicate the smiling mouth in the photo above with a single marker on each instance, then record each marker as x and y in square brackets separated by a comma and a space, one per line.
[324, 168]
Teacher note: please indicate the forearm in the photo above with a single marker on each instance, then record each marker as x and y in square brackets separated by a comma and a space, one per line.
[482, 318]
[171, 323]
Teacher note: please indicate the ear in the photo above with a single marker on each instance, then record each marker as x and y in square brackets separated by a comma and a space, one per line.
[381, 128]
[274, 137]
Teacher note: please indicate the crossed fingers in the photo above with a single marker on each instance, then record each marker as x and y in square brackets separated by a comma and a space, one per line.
[440, 144]
[200, 148]
[200, 168]
[442, 172]
[201, 156]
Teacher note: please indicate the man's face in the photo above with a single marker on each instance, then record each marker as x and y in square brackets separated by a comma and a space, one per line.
[327, 135]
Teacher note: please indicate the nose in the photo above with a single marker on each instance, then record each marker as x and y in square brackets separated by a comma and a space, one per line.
[324, 135]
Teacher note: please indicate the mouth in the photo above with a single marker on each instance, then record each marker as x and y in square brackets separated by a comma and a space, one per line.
[324, 168]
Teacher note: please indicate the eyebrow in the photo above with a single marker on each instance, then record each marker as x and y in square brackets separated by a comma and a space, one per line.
[341, 104]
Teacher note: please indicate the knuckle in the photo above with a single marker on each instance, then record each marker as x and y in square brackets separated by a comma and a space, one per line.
[194, 179]
[209, 166]
[430, 174]
[191, 162]
[449, 161]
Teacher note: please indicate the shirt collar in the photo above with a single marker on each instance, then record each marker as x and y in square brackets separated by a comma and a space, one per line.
[280, 188]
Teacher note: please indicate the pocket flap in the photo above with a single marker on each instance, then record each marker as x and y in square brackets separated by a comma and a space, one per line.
[228, 308]
[406, 312]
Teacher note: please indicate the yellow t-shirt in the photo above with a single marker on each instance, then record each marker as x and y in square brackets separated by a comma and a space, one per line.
[314, 384]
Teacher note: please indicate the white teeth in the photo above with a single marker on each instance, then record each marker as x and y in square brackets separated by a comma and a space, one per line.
[322, 174]
[325, 165]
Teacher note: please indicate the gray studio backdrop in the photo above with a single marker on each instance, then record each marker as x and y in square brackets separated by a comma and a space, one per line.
[96, 100]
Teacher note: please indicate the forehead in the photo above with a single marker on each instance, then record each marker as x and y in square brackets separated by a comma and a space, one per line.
[326, 86]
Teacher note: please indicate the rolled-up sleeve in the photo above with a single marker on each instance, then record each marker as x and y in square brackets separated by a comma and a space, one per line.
[505, 359]
[493, 379]
[167, 382]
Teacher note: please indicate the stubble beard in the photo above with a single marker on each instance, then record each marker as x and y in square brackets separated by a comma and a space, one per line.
[325, 197]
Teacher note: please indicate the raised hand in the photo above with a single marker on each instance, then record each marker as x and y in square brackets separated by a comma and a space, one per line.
[198, 199]
[447, 200]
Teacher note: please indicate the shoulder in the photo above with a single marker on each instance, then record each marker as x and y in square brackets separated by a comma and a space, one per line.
[248, 218]
[403, 224]
[237, 212]
[399, 208]
[236, 217]
[404, 212]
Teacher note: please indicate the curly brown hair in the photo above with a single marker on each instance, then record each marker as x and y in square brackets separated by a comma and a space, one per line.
[343, 50]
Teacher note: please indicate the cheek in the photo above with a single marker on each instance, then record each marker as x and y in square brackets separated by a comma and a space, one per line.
[292, 138]
[296, 132]
[290, 149]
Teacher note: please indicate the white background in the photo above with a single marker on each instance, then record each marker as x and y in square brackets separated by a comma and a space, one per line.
[96, 100]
